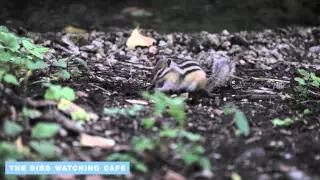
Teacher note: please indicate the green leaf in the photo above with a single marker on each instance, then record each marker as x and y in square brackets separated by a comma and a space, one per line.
[8, 152]
[242, 122]
[5, 56]
[205, 163]
[148, 122]
[4, 29]
[44, 148]
[45, 130]
[169, 133]
[61, 63]
[37, 54]
[304, 73]
[190, 158]
[141, 143]
[83, 62]
[279, 122]
[68, 93]
[36, 65]
[190, 136]
[9, 78]
[307, 111]
[300, 80]
[63, 74]
[9, 40]
[11, 128]
[27, 44]
[229, 111]
[31, 113]
[176, 112]
[41, 50]
[139, 166]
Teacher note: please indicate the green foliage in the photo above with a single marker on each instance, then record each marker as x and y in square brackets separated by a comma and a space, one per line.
[175, 105]
[141, 144]
[11, 128]
[31, 113]
[148, 123]
[56, 92]
[45, 130]
[11, 79]
[8, 152]
[240, 119]
[307, 81]
[134, 110]
[44, 148]
[279, 122]
[134, 163]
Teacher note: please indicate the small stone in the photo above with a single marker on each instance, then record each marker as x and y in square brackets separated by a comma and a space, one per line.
[242, 62]
[134, 59]
[97, 43]
[226, 44]
[213, 39]
[162, 43]
[225, 33]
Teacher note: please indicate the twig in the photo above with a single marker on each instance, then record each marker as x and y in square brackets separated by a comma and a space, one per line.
[136, 65]
[301, 64]
[259, 91]
[101, 88]
[314, 93]
[237, 77]
[269, 79]
[257, 96]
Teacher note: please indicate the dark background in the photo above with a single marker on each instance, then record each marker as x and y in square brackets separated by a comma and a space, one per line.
[168, 15]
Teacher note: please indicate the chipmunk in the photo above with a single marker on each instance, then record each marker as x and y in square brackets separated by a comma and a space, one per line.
[187, 75]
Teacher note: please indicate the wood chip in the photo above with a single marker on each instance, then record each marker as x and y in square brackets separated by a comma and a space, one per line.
[171, 175]
[136, 101]
[96, 141]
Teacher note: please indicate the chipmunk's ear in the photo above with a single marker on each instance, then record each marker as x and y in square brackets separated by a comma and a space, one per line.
[168, 62]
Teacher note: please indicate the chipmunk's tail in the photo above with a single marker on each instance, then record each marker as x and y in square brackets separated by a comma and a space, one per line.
[222, 71]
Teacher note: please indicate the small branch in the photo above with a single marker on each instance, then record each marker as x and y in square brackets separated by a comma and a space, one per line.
[269, 79]
[256, 96]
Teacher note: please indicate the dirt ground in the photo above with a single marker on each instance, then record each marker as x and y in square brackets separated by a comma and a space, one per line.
[117, 74]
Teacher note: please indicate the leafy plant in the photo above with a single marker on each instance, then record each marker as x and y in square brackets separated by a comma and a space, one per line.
[11, 128]
[240, 119]
[44, 148]
[56, 92]
[45, 130]
[134, 110]
[175, 106]
[135, 163]
[308, 80]
[279, 122]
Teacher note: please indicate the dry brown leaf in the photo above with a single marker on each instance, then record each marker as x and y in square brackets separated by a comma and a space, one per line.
[136, 39]
[81, 94]
[63, 177]
[171, 175]
[94, 177]
[19, 144]
[153, 50]
[218, 112]
[135, 101]
[96, 141]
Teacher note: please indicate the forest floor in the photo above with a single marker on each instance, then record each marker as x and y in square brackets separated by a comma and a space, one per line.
[267, 63]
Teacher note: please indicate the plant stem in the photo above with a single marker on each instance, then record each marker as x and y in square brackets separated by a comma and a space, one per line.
[3, 91]
[25, 88]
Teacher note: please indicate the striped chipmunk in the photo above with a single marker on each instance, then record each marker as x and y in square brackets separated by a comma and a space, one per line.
[187, 75]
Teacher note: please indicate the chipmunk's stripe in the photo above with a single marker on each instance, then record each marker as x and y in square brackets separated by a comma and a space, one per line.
[187, 63]
[191, 70]
[163, 72]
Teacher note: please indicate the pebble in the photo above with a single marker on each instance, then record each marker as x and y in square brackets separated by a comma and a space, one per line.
[162, 43]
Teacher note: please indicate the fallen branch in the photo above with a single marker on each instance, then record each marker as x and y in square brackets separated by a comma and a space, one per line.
[269, 79]
[257, 96]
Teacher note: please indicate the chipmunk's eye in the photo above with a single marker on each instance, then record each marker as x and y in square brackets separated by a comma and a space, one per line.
[168, 62]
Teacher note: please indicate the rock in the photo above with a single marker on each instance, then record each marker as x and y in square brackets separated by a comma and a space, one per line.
[225, 33]
[162, 43]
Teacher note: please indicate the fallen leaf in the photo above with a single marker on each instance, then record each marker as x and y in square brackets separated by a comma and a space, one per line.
[136, 12]
[136, 39]
[19, 144]
[63, 177]
[96, 141]
[76, 112]
[184, 96]
[217, 112]
[171, 175]
[70, 29]
[153, 50]
[81, 94]
[94, 177]
[135, 101]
